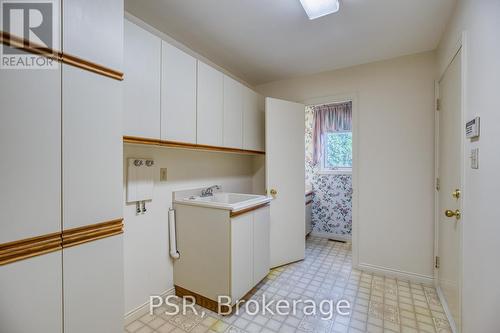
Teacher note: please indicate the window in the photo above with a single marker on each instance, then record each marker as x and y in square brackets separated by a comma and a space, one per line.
[337, 152]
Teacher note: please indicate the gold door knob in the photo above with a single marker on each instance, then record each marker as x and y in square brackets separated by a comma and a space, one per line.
[273, 192]
[456, 194]
[450, 213]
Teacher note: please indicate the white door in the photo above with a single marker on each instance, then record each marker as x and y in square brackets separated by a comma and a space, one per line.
[286, 179]
[449, 170]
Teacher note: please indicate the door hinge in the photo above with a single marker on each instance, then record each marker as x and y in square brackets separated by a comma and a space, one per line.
[437, 262]
[438, 104]
[438, 184]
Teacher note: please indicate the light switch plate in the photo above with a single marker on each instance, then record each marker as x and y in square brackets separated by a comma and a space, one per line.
[474, 158]
[163, 174]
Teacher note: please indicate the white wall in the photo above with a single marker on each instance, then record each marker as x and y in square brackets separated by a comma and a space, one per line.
[148, 267]
[481, 227]
[396, 155]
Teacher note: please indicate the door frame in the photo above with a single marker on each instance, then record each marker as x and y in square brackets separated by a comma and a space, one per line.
[460, 46]
[353, 97]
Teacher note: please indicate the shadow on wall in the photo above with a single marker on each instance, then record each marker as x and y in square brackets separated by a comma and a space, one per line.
[332, 202]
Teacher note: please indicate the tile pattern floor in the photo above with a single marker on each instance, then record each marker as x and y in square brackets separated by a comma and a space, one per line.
[379, 304]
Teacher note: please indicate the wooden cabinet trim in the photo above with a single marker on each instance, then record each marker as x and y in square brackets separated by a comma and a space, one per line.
[89, 233]
[184, 145]
[29, 247]
[247, 210]
[31, 47]
[36, 246]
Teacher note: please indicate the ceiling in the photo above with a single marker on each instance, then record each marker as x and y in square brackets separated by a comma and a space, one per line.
[267, 40]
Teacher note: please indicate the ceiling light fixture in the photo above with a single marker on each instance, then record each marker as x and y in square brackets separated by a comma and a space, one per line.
[318, 8]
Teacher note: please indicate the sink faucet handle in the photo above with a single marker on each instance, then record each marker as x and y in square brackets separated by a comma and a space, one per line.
[209, 190]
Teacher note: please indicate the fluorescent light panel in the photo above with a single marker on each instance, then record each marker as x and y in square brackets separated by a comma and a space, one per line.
[318, 8]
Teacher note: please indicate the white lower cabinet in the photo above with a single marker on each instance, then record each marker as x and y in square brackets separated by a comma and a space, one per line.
[93, 287]
[221, 255]
[261, 244]
[30, 295]
[308, 218]
[242, 249]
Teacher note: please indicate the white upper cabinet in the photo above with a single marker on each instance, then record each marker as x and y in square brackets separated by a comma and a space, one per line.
[210, 105]
[93, 30]
[178, 95]
[233, 113]
[30, 144]
[141, 97]
[253, 121]
[92, 148]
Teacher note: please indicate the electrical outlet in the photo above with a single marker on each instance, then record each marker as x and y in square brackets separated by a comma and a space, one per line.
[163, 174]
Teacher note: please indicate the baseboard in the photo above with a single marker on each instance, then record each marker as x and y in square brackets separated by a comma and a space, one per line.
[413, 277]
[144, 308]
[343, 238]
[446, 309]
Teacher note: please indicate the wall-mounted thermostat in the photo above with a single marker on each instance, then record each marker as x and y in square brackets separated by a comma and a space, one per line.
[472, 128]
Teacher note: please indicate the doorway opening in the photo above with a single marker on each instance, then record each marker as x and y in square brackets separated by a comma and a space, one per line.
[329, 167]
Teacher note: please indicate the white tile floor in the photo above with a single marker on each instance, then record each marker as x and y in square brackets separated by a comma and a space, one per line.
[379, 304]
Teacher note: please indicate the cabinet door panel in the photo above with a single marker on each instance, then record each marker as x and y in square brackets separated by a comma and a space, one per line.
[261, 246]
[30, 144]
[93, 286]
[93, 30]
[241, 255]
[209, 113]
[92, 148]
[253, 121]
[31, 294]
[141, 96]
[308, 218]
[178, 95]
[233, 113]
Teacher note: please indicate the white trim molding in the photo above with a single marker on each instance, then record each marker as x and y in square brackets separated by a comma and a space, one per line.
[143, 309]
[342, 238]
[389, 272]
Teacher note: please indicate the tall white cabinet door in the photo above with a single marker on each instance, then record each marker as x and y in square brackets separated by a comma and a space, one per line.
[209, 117]
[178, 95]
[141, 95]
[253, 121]
[31, 294]
[93, 30]
[233, 113]
[261, 254]
[92, 148]
[241, 255]
[30, 145]
[93, 286]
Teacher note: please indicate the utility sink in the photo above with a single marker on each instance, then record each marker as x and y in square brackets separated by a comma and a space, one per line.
[221, 200]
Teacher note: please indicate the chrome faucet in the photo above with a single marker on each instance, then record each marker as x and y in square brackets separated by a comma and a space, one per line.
[209, 191]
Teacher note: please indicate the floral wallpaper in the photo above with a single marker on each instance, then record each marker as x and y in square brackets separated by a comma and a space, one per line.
[332, 201]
